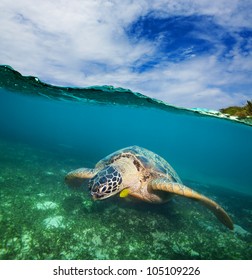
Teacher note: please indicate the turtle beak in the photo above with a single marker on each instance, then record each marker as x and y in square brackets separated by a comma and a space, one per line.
[94, 195]
[97, 196]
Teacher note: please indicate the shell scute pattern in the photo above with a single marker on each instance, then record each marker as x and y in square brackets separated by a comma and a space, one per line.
[142, 174]
[149, 160]
[110, 159]
[155, 163]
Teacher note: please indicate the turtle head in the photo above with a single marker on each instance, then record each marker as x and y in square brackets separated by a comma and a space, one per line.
[105, 183]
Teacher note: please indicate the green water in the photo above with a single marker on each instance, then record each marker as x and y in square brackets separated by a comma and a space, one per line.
[47, 131]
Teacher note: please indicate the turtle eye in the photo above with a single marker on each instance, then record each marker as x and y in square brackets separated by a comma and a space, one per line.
[103, 189]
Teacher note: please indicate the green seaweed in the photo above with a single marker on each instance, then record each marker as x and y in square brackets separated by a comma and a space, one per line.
[111, 229]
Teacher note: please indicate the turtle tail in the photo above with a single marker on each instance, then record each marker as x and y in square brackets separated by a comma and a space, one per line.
[164, 185]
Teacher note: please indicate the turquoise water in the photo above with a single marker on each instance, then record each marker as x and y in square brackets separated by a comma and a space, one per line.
[47, 131]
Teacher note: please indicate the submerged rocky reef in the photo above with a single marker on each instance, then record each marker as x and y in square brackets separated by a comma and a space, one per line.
[40, 218]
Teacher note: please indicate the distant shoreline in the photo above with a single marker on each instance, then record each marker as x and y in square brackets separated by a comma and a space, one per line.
[243, 113]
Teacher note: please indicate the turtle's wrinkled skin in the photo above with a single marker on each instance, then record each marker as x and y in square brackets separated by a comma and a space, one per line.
[142, 174]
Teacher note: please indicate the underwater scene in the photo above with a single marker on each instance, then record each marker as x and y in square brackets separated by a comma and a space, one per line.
[48, 131]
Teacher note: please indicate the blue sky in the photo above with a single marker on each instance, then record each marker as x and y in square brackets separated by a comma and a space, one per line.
[188, 53]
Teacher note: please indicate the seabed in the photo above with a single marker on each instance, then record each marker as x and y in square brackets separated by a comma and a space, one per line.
[40, 218]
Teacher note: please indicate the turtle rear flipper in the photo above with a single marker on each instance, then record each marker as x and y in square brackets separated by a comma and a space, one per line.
[163, 184]
[76, 177]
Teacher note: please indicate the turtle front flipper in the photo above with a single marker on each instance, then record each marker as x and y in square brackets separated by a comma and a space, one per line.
[76, 177]
[163, 184]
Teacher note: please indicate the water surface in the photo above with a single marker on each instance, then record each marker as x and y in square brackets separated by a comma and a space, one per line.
[46, 131]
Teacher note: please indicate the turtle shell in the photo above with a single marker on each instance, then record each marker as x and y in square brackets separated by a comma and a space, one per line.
[145, 158]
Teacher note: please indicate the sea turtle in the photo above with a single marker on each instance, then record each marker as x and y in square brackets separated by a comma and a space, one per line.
[142, 174]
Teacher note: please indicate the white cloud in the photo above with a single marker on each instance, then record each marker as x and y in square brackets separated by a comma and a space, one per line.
[67, 34]
[233, 13]
[199, 82]
[83, 43]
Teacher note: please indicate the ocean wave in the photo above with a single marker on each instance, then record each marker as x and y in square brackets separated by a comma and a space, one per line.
[14, 81]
